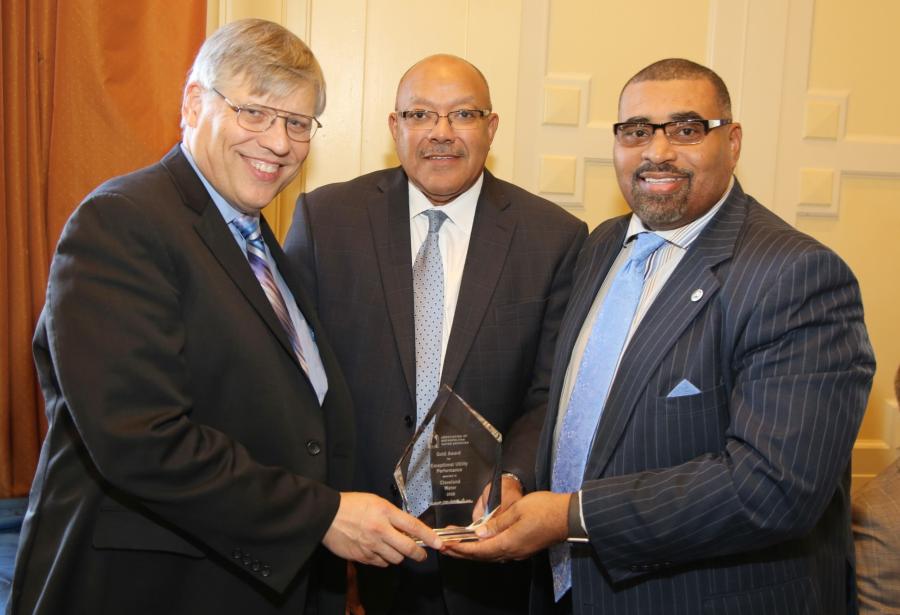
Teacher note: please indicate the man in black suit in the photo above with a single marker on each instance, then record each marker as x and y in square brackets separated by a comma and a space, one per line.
[201, 435]
[505, 259]
[714, 476]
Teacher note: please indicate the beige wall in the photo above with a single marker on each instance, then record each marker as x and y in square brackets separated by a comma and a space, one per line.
[812, 82]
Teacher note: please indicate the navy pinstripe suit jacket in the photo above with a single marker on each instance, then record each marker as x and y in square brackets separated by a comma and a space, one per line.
[735, 499]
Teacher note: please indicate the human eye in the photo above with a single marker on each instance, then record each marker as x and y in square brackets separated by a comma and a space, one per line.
[464, 114]
[299, 123]
[418, 115]
[255, 115]
[635, 131]
[686, 132]
[688, 129]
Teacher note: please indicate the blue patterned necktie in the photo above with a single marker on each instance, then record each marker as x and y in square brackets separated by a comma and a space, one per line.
[256, 256]
[595, 374]
[428, 295]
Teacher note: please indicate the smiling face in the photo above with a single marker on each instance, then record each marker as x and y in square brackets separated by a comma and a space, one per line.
[443, 162]
[669, 186]
[247, 168]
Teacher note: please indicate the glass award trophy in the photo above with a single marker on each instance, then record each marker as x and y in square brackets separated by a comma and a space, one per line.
[452, 462]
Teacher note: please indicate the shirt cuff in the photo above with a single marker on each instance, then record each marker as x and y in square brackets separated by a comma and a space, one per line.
[577, 528]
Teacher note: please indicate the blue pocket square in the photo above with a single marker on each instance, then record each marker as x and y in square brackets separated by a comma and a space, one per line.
[683, 389]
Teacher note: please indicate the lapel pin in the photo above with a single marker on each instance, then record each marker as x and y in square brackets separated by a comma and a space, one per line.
[697, 295]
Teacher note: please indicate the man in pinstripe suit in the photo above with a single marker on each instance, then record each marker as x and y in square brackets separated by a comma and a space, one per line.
[717, 480]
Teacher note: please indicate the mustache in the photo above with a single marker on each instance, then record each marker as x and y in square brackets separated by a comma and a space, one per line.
[438, 150]
[649, 167]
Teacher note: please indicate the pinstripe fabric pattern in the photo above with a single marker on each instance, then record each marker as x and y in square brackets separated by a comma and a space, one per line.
[733, 500]
[876, 533]
[660, 266]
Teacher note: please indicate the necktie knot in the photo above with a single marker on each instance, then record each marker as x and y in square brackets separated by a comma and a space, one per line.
[248, 227]
[435, 219]
[645, 245]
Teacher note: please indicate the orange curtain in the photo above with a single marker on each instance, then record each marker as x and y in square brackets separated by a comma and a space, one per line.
[90, 89]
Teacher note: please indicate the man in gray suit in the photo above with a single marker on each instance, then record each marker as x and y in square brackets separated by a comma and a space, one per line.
[712, 416]
[876, 534]
[505, 258]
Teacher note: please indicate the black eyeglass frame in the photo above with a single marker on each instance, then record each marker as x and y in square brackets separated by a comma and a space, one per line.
[276, 113]
[707, 126]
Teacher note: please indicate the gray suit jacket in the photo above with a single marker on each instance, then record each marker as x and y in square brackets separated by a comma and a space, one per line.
[876, 533]
[352, 240]
[735, 499]
[188, 467]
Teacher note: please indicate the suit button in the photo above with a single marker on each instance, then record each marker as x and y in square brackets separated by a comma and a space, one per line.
[313, 447]
[246, 561]
[407, 420]
[255, 566]
[237, 554]
[266, 571]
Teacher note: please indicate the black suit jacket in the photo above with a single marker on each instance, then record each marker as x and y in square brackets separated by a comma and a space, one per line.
[352, 240]
[188, 466]
[735, 499]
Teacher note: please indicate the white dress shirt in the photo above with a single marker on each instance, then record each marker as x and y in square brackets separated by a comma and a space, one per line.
[453, 239]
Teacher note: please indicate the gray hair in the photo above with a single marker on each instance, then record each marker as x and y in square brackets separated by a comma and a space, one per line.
[268, 56]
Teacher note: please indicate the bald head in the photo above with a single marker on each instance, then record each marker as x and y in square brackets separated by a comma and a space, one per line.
[443, 158]
[444, 68]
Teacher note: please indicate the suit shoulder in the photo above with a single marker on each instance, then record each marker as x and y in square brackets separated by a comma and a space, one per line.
[350, 192]
[766, 236]
[147, 186]
[537, 210]
[139, 203]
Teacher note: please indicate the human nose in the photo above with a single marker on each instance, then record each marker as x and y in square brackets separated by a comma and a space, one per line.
[275, 137]
[659, 149]
[442, 129]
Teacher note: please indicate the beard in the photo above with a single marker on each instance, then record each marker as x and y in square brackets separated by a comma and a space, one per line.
[659, 210]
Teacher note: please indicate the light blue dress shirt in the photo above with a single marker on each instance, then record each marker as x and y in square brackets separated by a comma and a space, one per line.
[304, 333]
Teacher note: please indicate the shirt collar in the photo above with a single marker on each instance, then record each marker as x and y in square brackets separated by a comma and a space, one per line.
[682, 236]
[460, 211]
[228, 212]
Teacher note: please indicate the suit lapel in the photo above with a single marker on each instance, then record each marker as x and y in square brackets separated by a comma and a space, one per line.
[389, 219]
[214, 232]
[691, 286]
[492, 233]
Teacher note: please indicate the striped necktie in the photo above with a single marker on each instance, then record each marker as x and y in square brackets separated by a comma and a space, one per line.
[256, 256]
[595, 375]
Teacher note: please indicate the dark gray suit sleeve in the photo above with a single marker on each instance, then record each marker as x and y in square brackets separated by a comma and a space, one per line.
[521, 441]
[800, 368]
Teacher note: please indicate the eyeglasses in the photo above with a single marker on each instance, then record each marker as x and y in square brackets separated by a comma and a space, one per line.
[259, 118]
[460, 119]
[679, 132]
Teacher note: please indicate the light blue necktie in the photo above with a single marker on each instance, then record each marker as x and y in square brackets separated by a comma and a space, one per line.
[595, 374]
[256, 256]
[428, 295]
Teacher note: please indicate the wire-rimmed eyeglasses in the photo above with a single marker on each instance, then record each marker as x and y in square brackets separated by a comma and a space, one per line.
[259, 118]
